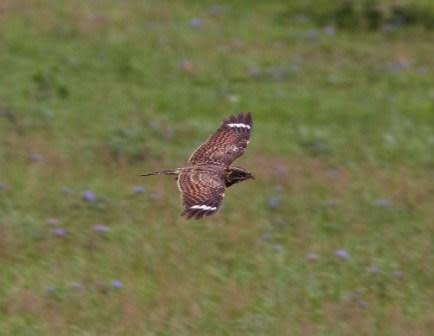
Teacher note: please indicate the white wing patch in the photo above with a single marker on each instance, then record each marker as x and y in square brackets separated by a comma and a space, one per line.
[238, 125]
[204, 207]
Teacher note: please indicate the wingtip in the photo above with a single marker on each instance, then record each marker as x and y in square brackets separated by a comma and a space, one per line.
[192, 214]
[249, 118]
[243, 117]
[196, 214]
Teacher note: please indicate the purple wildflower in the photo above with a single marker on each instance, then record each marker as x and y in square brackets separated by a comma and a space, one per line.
[329, 202]
[51, 290]
[278, 73]
[312, 34]
[2, 186]
[382, 203]
[138, 190]
[397, 274]
[273, 202]
[52, 221]
[397, 67]
[332, 172]
[59, 232]
[266, 236]
[156, 195]
[101, 228]
[312, 256]
[117, 284]
[154, 124]
[66, 190]
[196, 23]
[88, 196]
[276, 248]
[217, 10]
[254, 72]
[363, 304]
[329, 30]
[319, 147]
[374, 269]
[76, 285]
[35, 157]
[186, 65]
[354, 295]
[279, 188]
[295, 68]
[342, 254]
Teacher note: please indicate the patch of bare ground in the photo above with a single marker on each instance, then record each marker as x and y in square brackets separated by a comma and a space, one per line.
[26, 303]
[95, 18]
[352, 316]
[298, 174]
[410, 189]
[131, 314]
[38, 149]
[23, 302]
[10, 6]
[235, 299]
[7, 242]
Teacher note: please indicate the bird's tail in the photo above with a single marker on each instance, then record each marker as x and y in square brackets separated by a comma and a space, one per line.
[163, 172]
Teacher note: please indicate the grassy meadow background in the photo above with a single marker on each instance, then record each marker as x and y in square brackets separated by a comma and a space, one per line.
[334, 237]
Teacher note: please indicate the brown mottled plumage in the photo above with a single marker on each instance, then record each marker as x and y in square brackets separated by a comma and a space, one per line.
[202, 184]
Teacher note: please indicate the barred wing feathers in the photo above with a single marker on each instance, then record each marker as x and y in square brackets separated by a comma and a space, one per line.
[227, 143]
[202, 191]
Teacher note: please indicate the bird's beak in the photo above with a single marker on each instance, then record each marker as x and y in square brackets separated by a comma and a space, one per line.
[252, 177]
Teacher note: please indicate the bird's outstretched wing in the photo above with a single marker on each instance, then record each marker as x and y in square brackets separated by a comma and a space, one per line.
[227, 143]
[202, 191]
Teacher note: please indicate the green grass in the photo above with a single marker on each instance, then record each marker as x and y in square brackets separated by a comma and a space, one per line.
[343, 139]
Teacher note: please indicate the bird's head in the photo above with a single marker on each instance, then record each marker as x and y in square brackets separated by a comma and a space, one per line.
[237, 174]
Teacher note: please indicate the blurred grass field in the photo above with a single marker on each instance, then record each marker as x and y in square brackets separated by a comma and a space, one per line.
[334, 237]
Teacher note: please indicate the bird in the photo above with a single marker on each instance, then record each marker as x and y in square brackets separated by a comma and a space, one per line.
[202, 183]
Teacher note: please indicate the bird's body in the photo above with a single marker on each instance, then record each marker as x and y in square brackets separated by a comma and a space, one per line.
[203, 182]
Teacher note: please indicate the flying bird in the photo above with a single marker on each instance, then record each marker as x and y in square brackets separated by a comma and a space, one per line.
[203, 182]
